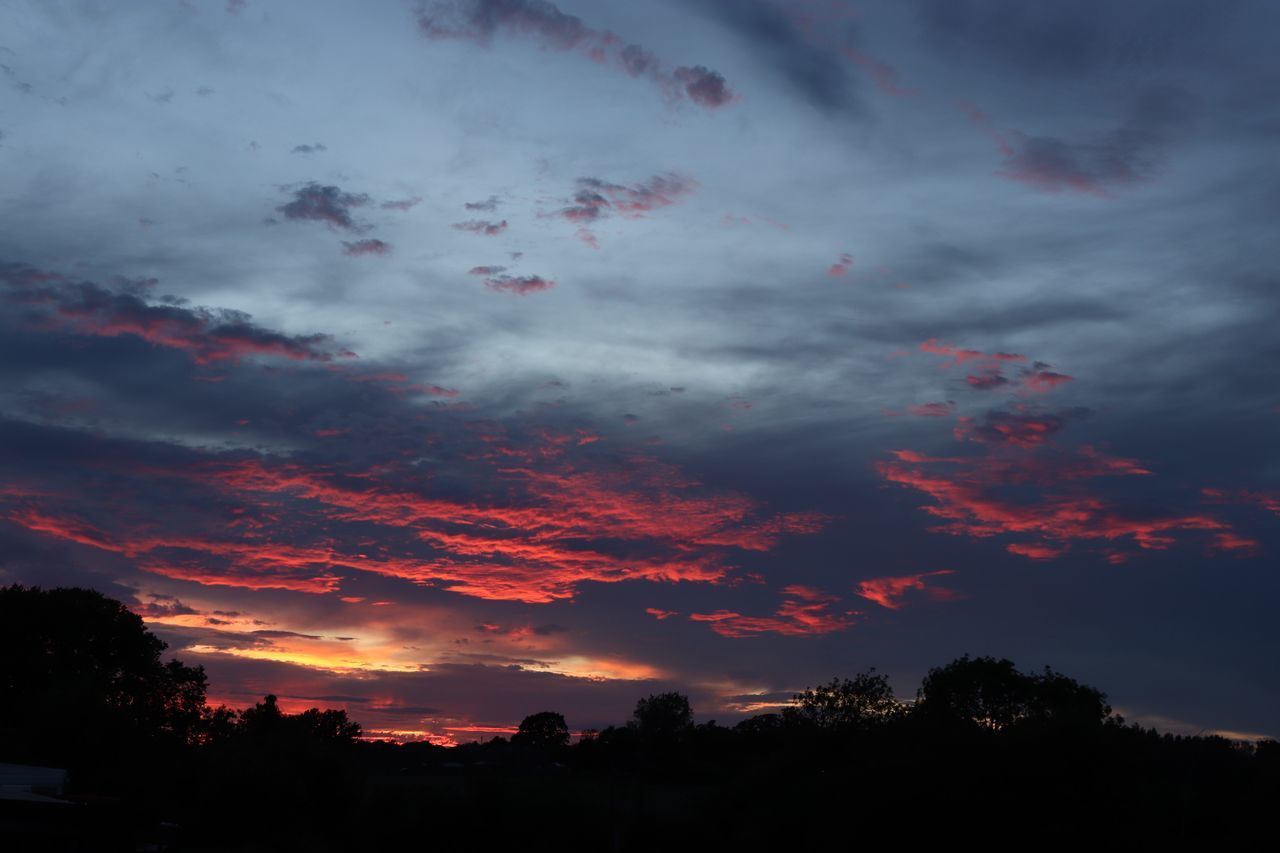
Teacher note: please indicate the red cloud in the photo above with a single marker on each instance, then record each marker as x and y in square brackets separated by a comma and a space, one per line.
[971, 495]
[805, 612]
[537, 544]
[989, 368]
[1034, 552]
[960, 356]
[1015, 429]
[889, 591]
[1269, 501]
[659, 614]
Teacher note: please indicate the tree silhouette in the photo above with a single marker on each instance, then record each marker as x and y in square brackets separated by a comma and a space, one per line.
[993, 694]
[662, 716]
[266, 722]
[83, 675]
[848, 703]
[545, 729]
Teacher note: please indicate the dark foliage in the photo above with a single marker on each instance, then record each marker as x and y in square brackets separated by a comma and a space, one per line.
[81, 676]
[985, 751]
[544, 730]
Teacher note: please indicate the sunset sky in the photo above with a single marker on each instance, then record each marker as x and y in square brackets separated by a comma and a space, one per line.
[452, 361]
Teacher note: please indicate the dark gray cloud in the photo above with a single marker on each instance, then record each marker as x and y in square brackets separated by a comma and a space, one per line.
[482, 226]
[816, 71]
[327, 204]
[1084, 38]
[366, 247]
[543, 22]
[1132, 153]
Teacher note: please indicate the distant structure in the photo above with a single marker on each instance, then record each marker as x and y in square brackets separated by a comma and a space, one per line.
[24, 783]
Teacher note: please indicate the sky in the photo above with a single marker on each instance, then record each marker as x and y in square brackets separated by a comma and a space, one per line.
[452, 361]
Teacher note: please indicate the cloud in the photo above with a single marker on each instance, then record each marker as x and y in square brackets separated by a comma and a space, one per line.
[402, 204]
[479, 21]
[1023, 488]
[1133, 153]
[327, 204]
[1268, 500]
[841, 267]
[942, 409]
[1014, 429]
[309, 149]
[955, 355]
[659, 614]
[889, 592]
[206, 335]
[991, 377]
[596, 199]
[787, 44]
[989, 366]
[482, 226]
[1042, 379]
[521, 285]
[704, 87]
[486, 271]
[489, 205]
[366, 247]
[804, 612]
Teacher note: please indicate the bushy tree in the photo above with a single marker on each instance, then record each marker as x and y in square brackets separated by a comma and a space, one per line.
[266, 722]
[849, 703]
[545, 729]
[662, 716]
[82, 675]
[993, 694]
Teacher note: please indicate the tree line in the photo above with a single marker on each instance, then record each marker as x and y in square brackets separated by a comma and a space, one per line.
[83, 685]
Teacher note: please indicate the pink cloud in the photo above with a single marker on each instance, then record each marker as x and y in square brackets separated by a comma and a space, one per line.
[1013, 429]
[841, 267]
[889, 592]
[804, 612]
[932, 410]
[1045, 380]
[956, 355]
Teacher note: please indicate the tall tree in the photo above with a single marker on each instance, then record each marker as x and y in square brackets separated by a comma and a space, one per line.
[544, 729]
[81, 675]
[848, 703]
